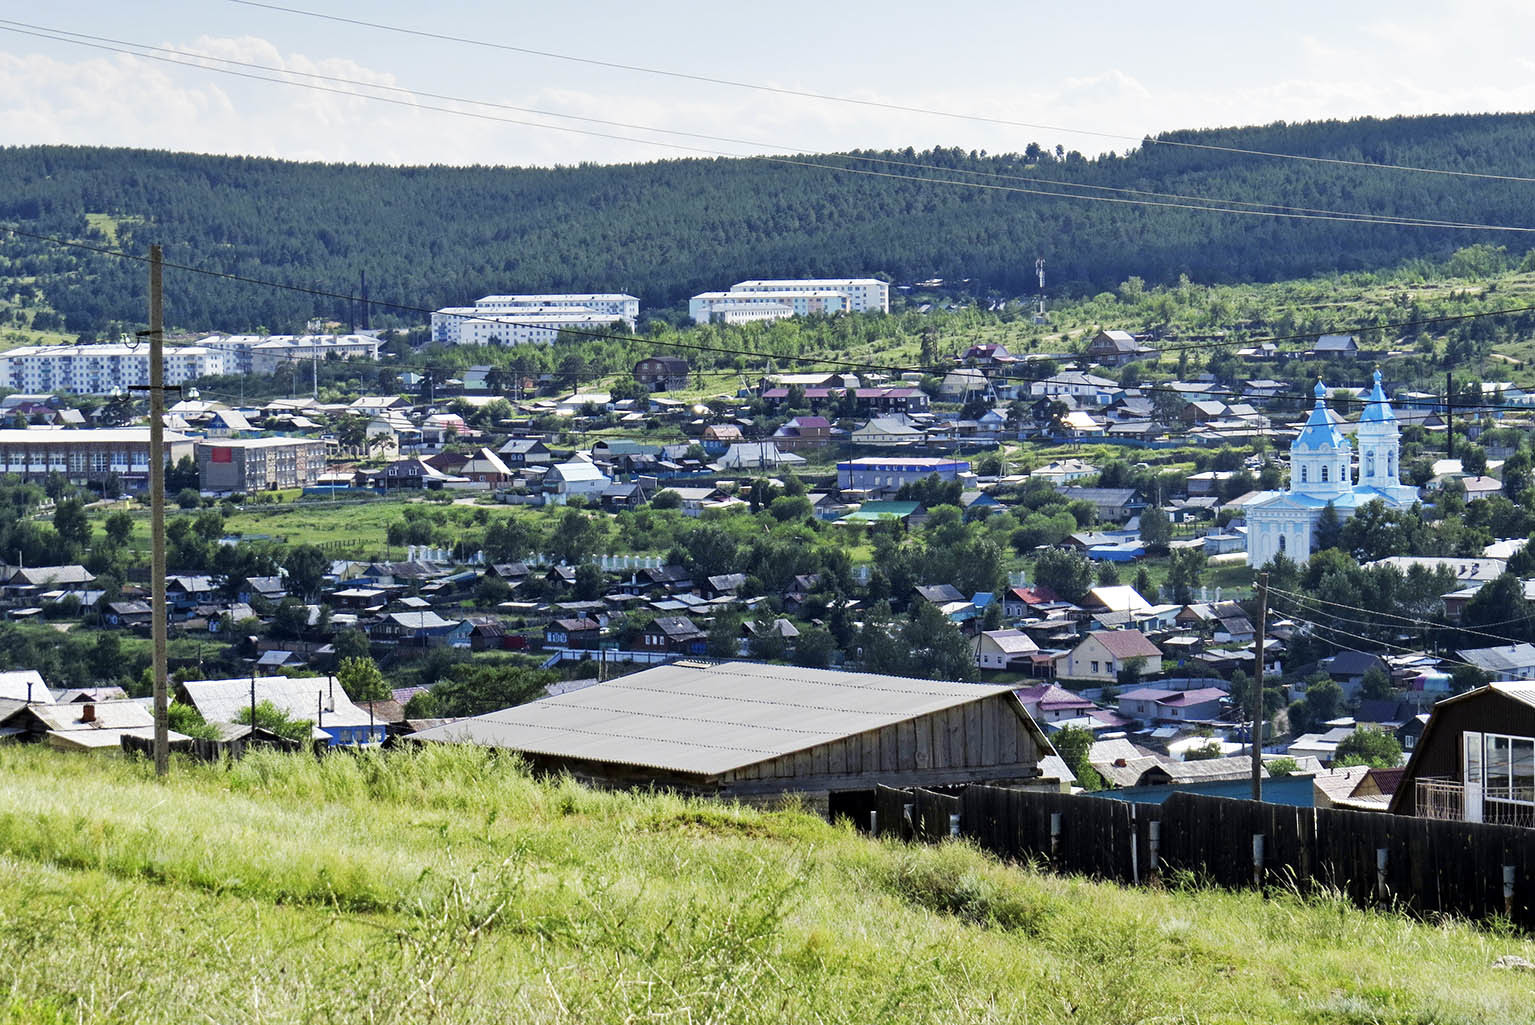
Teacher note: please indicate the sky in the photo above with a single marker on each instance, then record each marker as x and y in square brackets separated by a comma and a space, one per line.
[1115, 69]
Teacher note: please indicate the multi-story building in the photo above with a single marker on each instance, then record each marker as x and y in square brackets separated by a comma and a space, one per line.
[614, 305]
[879, 473]
[101, 369]
[865, 295]
[519, 319]
[743, 307]
[87, 456]
[259, 464]
[263, 354]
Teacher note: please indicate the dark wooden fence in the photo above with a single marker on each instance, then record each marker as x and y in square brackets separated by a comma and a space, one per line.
[1425, 866]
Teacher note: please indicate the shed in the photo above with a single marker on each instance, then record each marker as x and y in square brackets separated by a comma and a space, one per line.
[747, 730]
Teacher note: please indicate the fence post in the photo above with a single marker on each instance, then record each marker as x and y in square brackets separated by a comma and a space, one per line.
[911, 822]
[1055, 834]
[1258, 860]
[1154, 844]
[873, 822]
[954, 825]
[1135, 849]
[1380, 873]
[1508, 890]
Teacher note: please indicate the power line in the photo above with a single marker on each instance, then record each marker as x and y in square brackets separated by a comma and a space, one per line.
[1301, 398]
[879, 104]
[1306, 599]
[119, 45]
[1382, 219]
[1384, 644]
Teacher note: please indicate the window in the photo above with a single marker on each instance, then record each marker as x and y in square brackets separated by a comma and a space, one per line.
[1509, 768]
[1324, 473]
[1303, 473]
[1281, 544]
[1369, 465]
[1095, 667]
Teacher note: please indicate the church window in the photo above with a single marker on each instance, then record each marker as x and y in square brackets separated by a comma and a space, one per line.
[1391, 465]
[1324, 473]
[1369, 464]
[1281, 543]
[1303, 473]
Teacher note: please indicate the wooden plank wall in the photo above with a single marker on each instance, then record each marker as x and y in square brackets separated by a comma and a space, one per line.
[1430, 866]
[991, 734]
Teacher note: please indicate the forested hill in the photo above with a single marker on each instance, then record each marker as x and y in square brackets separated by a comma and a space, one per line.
[431, 236]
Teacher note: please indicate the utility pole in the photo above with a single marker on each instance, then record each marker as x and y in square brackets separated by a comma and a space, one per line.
[157, 504]
[1449, 415]
[1257, 698]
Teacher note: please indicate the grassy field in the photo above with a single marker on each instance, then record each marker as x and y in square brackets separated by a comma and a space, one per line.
[448, 886]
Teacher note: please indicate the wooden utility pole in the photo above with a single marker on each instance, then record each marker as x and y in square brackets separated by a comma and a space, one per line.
[157, 504]
[1257, 698]
[1449, 415]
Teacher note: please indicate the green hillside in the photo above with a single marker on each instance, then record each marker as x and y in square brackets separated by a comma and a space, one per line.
[447, 886]
[437, 235]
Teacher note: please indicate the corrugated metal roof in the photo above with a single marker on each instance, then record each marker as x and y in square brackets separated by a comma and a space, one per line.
[707, 719]
[224, 700]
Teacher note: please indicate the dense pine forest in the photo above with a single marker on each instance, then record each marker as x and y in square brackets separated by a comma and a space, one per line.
[430, 236]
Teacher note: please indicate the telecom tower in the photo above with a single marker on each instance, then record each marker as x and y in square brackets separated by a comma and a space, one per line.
[1039, 306]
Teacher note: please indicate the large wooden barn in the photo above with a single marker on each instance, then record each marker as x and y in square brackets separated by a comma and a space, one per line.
[739, 729]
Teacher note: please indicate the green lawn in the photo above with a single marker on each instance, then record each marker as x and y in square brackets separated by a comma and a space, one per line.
[447, 886]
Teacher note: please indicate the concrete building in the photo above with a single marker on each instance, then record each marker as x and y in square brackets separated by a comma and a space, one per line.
[101, 369]
[873, 473]
[259, 464]
[739, 307]
[263, 354]
[662, 373]
[536, 319]
[865, 295]
[87, 456]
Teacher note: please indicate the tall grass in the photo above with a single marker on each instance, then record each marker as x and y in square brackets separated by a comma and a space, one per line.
[448, 885]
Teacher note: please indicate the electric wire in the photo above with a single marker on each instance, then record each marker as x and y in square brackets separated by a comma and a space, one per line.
[902, 108]
[798, 162]
[118, 45]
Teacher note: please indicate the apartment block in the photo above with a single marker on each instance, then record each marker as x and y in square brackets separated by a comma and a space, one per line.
[105, 368]
[259, 464]
[87, 456]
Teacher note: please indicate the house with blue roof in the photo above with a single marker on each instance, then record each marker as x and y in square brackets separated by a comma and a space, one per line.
[1322, 464]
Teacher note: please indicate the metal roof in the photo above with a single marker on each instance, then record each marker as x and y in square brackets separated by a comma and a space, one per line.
[224, 700]
[705, 719]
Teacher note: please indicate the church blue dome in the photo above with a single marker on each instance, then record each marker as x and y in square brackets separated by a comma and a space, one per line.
[1320, 431]
[1377, 409]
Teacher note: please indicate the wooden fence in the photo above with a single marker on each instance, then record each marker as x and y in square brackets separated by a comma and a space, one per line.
[1424, 866]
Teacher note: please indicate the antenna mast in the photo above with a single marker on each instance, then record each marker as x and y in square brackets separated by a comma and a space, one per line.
[1039, 306]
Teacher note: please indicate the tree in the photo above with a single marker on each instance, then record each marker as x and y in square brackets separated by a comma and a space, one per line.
[1184, 567]
[1375, 748]
[1473, 460]
[422, 705]
[724, 636]
[1323, 699]
[69, 519]
[1108, 574]
[1279, 768]
[1074, 744]
[291, 620]
[1376, 684]
[766, 644]
[361, 679]
[666, 499]
[182, 476]
[119, 527]
[306, 566]
[1068, 573]
[573, 537]
[814, 648]
[1156, 529]
[351, 643]
[474, 688]
[188, 721]
[1329, 528]
[935, 647]
[1203, 752]
[1143, 585]
[274, 720]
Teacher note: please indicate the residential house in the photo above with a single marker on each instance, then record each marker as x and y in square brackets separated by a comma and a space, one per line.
[803, 432]
[1113, 505]
[1116, 348]
[674, 634]
[578, 478]
[1049, 702]
[662, 373]
[525, 452]
[1000, 649]
[419, 629]
[580, 634]
[319, 700]
[1101, 654]
[1507, 661]
[1154, 703]
[1475, 761]
[1334, 346]
[886, 431]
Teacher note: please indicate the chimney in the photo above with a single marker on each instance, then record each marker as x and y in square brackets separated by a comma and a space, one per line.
[88, 713]
[1121, 763]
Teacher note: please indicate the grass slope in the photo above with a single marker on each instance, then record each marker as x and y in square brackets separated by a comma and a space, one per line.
[446, 885]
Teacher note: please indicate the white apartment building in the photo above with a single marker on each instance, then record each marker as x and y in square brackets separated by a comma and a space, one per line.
[703, 306]
[99, 369]
[744, 313]
[864, 294]
[467, 325]
[263, 354]
[618, 305]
